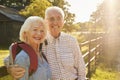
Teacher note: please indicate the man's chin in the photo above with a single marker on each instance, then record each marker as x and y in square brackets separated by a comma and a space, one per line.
[56, 34]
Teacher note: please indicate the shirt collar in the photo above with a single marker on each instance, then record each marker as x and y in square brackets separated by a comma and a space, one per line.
[51, 38]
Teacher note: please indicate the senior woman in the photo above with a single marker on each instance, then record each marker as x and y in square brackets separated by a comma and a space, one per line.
[32, 33]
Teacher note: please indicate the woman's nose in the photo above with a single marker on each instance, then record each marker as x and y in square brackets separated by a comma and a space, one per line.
[39, 32]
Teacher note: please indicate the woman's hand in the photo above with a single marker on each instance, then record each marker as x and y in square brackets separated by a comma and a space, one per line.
[16, 71]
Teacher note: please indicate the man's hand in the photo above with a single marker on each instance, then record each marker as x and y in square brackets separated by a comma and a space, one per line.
[16, 71]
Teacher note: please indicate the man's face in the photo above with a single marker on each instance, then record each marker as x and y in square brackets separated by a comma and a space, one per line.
[55, 22]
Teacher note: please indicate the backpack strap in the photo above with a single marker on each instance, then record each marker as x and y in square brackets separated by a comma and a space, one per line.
[46, 43]
[31, 53]
[44, 56]
[15, 49]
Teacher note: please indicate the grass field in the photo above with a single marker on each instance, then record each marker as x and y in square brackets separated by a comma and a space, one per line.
[3, 54]
[103, 73]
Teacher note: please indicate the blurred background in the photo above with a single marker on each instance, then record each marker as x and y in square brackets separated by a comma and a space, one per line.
[84, 19]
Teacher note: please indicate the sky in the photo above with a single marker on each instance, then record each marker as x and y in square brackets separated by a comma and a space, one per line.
[83, 8]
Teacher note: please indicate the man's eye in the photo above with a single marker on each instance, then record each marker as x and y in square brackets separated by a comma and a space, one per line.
[41, 31]
[51, 19]
[34, 29]
[59, 19]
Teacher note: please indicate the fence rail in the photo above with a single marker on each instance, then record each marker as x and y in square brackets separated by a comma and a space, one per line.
[91, 55]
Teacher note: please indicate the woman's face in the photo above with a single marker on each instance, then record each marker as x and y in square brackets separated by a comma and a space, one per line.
[36, 34]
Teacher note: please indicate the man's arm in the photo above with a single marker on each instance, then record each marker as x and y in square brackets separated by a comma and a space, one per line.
[80, 64]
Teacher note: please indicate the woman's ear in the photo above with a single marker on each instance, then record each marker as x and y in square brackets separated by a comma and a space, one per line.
[25, 36]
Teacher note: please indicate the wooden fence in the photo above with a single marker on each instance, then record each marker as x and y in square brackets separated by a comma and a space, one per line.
[94, 49]
[90, 55]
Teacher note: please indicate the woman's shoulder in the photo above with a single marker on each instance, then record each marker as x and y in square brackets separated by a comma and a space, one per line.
[22, 59]
[22, 54]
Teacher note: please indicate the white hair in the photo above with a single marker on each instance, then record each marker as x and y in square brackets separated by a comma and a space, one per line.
[54, 8]
[29, 22]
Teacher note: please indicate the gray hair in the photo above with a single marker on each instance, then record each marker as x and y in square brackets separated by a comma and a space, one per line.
[54, 8]
[32, 20]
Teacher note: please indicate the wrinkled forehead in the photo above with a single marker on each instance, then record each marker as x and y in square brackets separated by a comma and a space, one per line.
[54, 13]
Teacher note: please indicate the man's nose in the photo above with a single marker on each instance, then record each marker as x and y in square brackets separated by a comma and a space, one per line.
[56, 21]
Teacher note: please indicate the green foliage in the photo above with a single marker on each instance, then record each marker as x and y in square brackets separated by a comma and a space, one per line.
[17, 4]
[36, 8]
[59, 3]
[8, 2]
[103, 73]
[86, 26]
[71, 28]
[69, 19]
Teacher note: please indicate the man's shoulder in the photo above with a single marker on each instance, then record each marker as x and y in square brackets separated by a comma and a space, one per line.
[68, 36]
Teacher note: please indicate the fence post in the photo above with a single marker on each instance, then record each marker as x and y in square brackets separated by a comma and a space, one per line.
[95, 54]
[96, 51]
[89, 71]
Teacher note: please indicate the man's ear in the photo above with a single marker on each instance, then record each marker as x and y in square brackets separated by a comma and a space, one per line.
[45, 20]
[64, 22]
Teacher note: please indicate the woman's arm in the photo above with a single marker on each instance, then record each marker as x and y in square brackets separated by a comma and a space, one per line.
[22, 59]
[14, 70]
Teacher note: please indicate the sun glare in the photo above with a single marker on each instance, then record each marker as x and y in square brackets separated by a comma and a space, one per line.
[111, 1]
